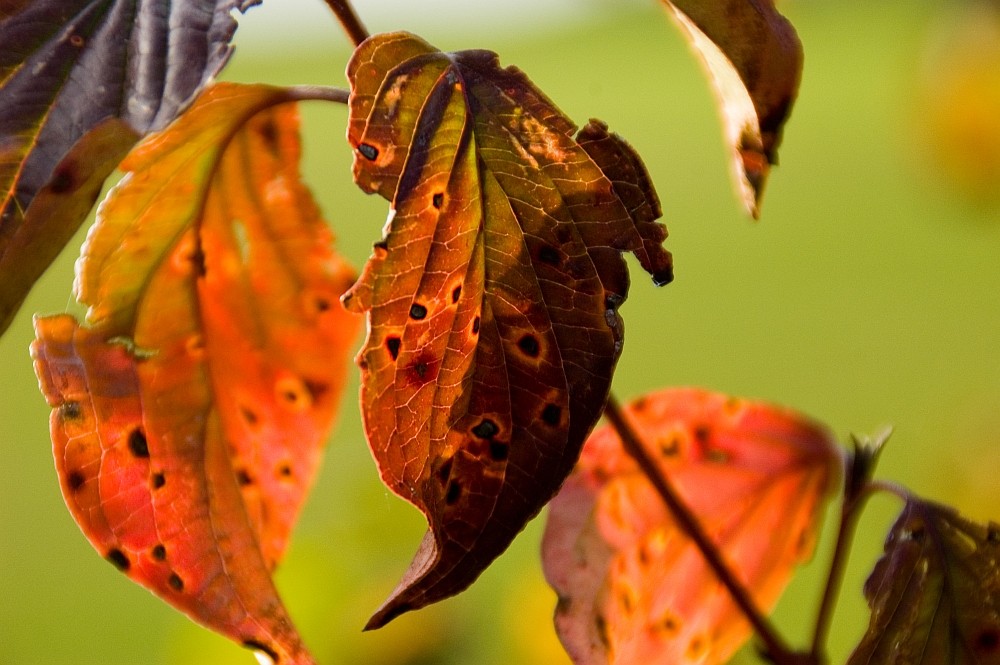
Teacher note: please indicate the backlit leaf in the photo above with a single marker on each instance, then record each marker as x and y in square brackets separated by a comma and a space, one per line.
[935, 593]
[188, 419]
[632, 587]
[492, 300]
[66, 67]
[755, 61]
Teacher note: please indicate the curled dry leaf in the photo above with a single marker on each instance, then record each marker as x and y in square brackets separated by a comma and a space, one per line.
[492, 300]
[66, 67]
[755, 60]
[935, 593]
[632, 587]
[188, 419]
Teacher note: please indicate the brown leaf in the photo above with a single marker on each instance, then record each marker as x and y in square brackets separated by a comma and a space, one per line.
[632, 587]
[935, 593]
[492, 299]
[755, 61]
[188, 420]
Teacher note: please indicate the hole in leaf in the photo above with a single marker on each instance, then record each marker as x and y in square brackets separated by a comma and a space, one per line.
[158, 481]
[550, 255]
[159, 552]
[75, 480]
[175, 582]
[119, 560]
[475, 326]
[70, 411]
[77, 40]
[420, 369]
[529, 345]
[437, 200]
[417, 311]
[499, 451]
[137, 443]
[456, 293]
[551, 415]
[453, 494]
[392, 344]
[486, 429]
[263, 648]
[368, 151]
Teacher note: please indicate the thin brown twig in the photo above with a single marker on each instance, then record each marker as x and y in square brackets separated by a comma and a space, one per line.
[776, 649]
[348, 18]
[302, 93]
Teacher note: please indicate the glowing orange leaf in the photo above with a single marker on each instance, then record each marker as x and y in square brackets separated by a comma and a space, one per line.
[632, 587]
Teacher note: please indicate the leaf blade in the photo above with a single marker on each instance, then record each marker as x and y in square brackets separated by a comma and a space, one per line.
[492, 299]
[632, 587]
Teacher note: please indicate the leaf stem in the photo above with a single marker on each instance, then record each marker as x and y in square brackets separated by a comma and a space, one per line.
[850, 512]
[348, 18]
[303, 93]
[776, 649]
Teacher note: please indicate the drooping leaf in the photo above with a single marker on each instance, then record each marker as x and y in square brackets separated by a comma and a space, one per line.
[492, 299]
[754, 58]
[632, 587]
[66, 66]
[188, 419]
[935, 593]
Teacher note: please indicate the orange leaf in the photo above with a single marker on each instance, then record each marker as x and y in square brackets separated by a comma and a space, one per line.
[493, 299]
[755, 61]
[632, 587]
[188, 421]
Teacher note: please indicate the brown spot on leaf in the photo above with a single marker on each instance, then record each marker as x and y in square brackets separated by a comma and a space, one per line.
[285, 470]
[77, 40]
[551, 415]
[159, 552]
[74, 481]
[529, 345]
[64, 179]
[137, 443]
[486, 429]
[175, 582]
[119, 560]
[243, 478]
[499, 451]
[158, 480]
[456, 293]
[249, 415]
[987, 642]
[475, 326]
[453, 493]
[438, 200]
[392, 344]
[70, 410]
[444, 471]
[550, 255]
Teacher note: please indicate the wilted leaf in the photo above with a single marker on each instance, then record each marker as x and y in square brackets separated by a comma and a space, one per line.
[632, 587]
[935, 594]
[66, 66]
[188, 420]
[492, 300]
[755, 60]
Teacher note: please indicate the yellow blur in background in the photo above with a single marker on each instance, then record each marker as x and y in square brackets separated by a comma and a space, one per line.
[867, 294]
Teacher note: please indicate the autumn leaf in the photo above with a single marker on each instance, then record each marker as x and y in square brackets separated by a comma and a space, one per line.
[492, 300]
[632, 587]
[66, 67]
[754, 58]
[189, 417]
[935, 593]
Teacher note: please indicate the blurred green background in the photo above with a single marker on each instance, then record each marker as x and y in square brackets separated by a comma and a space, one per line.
[868, 294]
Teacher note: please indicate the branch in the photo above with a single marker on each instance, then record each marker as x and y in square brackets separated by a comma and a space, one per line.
[352, 25]
[776, 649]
[309, 93]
